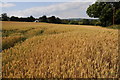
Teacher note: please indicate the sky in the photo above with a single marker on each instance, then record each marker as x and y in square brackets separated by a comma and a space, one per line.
[63, 10]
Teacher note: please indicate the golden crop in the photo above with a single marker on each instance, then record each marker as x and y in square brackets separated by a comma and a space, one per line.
[59, 51]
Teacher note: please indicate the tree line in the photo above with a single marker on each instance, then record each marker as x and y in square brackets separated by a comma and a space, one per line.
[4, 17]
[51, 19]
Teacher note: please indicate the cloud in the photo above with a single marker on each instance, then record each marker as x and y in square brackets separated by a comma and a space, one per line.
[6, 5]
[48, 0]
[62, 10]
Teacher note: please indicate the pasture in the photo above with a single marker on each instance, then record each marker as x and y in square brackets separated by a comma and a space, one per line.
[44, 50]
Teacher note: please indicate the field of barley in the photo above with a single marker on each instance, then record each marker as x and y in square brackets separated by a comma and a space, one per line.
[43, 50]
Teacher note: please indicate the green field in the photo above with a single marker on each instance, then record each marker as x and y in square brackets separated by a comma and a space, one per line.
[43, 50]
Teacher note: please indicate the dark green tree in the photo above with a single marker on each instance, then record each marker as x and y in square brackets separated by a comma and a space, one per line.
[13, 18]
[58, 20]
[107, 12]
[117, 20]
[4, 17]
[0, 18]
[52, 19]
[43, 19]
[30, 19]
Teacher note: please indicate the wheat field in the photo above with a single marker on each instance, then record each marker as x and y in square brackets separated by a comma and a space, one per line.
[43, 50]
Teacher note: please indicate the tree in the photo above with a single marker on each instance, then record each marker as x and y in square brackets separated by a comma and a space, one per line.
[4, 17]
[43, 19]
[52, 19]
[0, 18]
[13, 18]
[58, 20]
[117, 20]
[30, 19]
[107, 12]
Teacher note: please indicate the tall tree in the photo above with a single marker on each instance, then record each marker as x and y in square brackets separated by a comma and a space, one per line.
[4, 17]
[107, 12]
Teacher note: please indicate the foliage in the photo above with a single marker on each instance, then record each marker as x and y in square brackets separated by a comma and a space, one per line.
[30, 19]
[117, 16]
[58, 20]
[43, 19]
[4, 17]
[53, 19]
[105, 11]
[13, 18]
